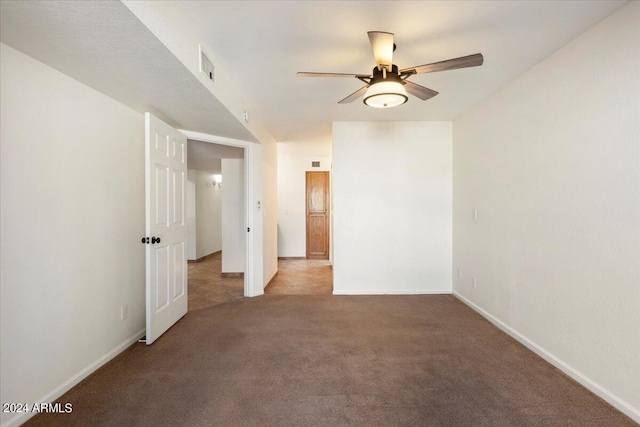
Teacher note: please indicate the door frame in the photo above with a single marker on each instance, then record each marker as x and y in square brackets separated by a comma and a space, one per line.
[253, 272]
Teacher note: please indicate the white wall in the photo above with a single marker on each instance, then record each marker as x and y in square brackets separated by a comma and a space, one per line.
[72, 167]
[552, 165]
[234, 224]
[208, 215]
[392, 207]
[293, 161]
[269, 209]
[191, 214]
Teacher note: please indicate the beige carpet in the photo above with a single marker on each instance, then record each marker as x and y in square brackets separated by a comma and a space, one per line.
[322, 360]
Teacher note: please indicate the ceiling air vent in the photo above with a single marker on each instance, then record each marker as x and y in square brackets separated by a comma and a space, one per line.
[206, 66]
[315, 164]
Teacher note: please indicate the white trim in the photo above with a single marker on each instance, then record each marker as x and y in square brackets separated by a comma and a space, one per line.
[394, 292]
[205, 137]
[248, 219]
[253, 274]
[585, 381]
[74, 380]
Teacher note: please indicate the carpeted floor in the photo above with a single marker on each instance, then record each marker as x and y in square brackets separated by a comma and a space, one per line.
[323, 360]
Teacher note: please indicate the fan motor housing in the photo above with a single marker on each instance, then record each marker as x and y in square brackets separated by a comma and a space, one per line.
[378, 75]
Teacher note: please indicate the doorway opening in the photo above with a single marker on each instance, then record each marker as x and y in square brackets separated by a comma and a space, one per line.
[252, 216]
[311, 274]
[216, 242]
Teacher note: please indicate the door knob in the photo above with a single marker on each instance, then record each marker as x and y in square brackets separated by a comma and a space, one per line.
[145, 240]
[155, 240]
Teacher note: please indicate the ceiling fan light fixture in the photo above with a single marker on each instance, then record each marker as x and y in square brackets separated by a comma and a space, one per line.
[386, 94]
[387, 86]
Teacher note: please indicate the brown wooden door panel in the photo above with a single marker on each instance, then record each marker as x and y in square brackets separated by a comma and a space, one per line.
[317, 215]
[317, 189]
[317, 233]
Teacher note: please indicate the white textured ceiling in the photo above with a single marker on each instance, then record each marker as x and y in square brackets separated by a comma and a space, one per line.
[264, 43]
[103, 45]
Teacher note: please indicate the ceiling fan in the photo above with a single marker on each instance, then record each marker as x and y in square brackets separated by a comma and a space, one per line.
[387, 86]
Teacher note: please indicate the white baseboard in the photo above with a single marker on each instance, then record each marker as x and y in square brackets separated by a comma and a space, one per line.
[71, 382]
[393, 292]
[597, 389]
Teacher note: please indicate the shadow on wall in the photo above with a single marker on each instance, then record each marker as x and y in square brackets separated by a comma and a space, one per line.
[280, 237]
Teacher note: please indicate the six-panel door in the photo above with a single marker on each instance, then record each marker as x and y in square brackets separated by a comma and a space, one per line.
[166, 168]
[317, 215]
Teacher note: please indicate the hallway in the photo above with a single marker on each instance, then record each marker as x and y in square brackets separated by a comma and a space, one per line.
[207, 287]
[302, 277]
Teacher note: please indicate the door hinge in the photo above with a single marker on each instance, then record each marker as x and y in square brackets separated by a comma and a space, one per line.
[248, 229]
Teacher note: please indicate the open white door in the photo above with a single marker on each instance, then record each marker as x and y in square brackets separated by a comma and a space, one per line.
[166, 173]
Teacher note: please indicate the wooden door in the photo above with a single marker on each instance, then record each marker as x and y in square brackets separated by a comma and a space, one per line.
[318, 215]
[166, 170]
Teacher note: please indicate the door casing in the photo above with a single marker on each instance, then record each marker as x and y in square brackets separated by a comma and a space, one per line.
[253, 274]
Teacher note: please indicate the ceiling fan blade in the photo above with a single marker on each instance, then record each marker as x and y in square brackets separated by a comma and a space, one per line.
[382, 45]
[450, 64]
[357, 76]
[355, 95]
[421, 92]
